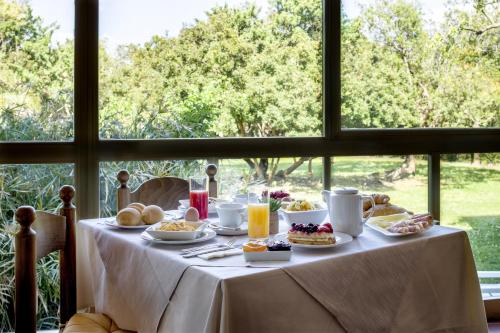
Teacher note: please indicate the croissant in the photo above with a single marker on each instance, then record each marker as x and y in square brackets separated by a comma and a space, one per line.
[385, 209]
[379, 199]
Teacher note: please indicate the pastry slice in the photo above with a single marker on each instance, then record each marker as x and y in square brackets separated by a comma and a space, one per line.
[311, 234]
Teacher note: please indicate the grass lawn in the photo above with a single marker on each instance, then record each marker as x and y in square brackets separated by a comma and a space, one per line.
[470, 195]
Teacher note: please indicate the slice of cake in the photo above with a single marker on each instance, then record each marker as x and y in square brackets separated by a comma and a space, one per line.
[311, 234]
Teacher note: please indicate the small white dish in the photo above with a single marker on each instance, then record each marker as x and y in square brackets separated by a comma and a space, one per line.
[112, 223]
[268, 256]
[176, 235]
[206, 235]
[316, 216]
[340, 238]
[224, 231]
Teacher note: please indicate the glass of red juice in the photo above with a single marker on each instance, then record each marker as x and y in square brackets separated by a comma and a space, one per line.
[198, 195]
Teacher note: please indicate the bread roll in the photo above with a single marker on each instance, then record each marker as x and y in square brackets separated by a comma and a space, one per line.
[379, 199]
[137, 205]
[385, 209]
[129, 217]
[152, 214]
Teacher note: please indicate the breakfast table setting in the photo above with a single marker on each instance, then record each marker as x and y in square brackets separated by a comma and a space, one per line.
[267, 261]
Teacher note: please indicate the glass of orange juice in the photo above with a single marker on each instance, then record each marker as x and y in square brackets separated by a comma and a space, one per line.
[258, 214]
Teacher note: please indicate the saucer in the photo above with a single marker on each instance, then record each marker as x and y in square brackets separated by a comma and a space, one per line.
[242, 230]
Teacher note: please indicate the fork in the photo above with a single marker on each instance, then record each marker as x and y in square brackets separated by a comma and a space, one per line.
[228, 246]
[229, 243]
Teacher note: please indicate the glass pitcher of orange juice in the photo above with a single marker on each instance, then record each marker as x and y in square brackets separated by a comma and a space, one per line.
[258, 215]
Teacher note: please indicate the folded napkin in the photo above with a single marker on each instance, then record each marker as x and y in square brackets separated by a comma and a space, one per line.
[221, 254]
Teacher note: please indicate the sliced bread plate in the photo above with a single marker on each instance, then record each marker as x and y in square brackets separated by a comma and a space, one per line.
[207, 234]
[340, 238]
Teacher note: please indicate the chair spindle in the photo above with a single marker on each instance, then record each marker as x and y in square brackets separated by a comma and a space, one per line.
[123, 195]
[211, 171]
[25, 272]
[67, 259]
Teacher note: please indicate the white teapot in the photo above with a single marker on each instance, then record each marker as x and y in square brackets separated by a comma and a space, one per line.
[345, 206]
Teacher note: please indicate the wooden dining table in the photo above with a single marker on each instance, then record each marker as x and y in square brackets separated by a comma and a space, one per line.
[419, 283]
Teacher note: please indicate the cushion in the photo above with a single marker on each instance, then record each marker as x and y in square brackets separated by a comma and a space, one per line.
[92, 323]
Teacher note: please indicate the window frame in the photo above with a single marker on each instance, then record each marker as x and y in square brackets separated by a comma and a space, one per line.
[87, 149]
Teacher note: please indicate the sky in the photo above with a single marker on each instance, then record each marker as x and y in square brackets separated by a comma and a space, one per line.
[136, 21]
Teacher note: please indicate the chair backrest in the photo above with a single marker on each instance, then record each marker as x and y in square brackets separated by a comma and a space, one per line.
[42, 233]
[164, 192]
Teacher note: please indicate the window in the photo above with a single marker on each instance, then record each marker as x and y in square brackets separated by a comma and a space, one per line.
[36, 70]
[210, 69]
[420, 63]
[471, 201]
[302, 177]
[403, 178]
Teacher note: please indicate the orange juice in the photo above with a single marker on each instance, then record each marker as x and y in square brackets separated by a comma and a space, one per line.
[258, 220]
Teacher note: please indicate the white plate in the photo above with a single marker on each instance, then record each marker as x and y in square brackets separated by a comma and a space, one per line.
[340, 238]
[395, 234]
[243, 230]
[176, 235]
[205, 235]
[114, 224]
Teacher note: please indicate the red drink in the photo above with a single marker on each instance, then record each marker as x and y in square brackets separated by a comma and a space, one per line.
[199, 200]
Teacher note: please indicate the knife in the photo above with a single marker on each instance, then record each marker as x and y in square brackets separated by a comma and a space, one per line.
[194, 254]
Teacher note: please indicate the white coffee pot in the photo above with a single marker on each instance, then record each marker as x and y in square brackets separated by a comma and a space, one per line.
[345, 206]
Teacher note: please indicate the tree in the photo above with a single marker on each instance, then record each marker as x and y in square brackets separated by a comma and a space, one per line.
[36, 78]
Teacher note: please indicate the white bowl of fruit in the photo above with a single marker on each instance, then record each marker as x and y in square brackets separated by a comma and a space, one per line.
[303, 211]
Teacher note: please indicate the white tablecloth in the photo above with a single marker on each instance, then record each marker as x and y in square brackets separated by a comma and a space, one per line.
[422, 283]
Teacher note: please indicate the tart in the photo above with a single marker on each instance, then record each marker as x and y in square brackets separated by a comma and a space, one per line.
[254, 247]
[311, 234]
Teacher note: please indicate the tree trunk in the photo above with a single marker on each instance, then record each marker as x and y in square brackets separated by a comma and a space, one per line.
[475, 159]
[274, 167]
[408, 168]
[282, 174]
[310, 168]
[250, 163]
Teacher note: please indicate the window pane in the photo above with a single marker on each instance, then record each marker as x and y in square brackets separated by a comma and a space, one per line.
[37, 186]
[36, 70]
[471, 201]
[422, 63]
[302, 177]
[210, 68]
[403, 178]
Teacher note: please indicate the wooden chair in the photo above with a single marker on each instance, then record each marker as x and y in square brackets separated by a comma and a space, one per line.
[164, 192]
[42, 233]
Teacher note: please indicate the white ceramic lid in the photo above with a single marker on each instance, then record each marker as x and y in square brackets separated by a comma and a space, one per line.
[346, 190]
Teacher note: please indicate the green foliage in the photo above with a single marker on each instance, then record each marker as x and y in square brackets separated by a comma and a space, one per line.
[36, 78]
[37, 186]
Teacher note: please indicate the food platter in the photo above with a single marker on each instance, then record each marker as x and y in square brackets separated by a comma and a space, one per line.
[382, 225]
[394, 234]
